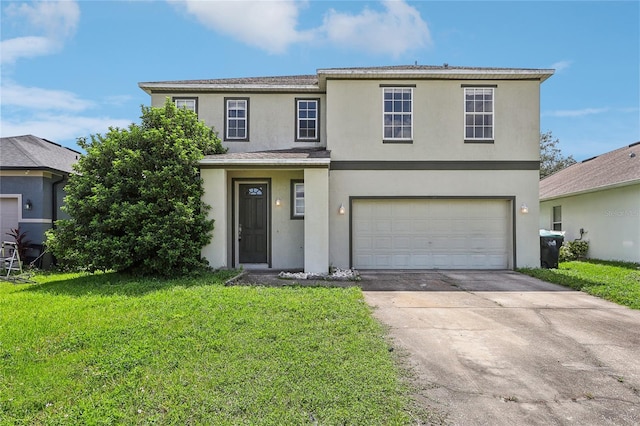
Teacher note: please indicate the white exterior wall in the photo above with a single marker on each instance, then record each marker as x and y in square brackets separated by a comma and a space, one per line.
[316, 221]
[271, 118]
[215, 184]
[523, 185]
[611, 219]
[287, 235]
[355, 121]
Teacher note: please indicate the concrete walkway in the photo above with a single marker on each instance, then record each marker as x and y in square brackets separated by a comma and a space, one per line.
[501, 348]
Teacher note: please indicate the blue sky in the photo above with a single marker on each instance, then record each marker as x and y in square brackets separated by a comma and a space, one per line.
[70, 69]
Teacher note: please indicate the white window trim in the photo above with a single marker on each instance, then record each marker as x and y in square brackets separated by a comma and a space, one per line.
[294, 208]
[193, 108]
[394, 139]
[227, 119]
[493, 114]
[316, 138]
[553, 218]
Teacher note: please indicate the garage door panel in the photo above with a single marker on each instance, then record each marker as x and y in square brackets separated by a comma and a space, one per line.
[429, 233]
[9, 215]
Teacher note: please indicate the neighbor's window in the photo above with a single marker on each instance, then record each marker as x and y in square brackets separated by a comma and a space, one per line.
[307, 120]
[297, 199]
[189, 103]
[397, 114]
[557, 218]
[237, 119]
[478, 113]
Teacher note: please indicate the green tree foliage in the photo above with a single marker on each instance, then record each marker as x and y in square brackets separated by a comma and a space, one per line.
[136, 199]
[551, 158]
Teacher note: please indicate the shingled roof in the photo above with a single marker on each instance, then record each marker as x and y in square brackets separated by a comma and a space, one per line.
[34, 153]
[317, 82]
[616, 168]
[293, 156]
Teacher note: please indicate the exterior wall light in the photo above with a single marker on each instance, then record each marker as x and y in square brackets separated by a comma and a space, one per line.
[341, 210]
[28, 205]
[524, 209]
[278, 202]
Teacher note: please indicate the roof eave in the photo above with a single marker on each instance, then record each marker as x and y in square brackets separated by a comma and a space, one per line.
[590, 190]
[441, 73]
[39, 168]
[252, 162]
[151, 88]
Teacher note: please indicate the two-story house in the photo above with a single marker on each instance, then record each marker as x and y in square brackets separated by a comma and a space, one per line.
[397, 167]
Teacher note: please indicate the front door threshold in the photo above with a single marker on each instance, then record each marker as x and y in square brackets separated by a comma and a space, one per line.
[254, 266]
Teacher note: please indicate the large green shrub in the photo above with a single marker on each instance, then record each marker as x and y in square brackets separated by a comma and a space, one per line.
[135, 200]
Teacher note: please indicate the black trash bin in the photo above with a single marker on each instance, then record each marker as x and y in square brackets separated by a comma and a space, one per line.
[550, 243]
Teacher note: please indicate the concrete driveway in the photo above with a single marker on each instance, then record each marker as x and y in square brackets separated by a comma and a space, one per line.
[501, 348]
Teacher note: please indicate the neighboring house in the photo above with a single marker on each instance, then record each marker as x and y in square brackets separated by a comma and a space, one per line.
[33, 172]
[597, 200]
[399, 167]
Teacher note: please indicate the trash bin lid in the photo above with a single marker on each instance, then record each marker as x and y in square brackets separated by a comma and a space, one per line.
[547, 233]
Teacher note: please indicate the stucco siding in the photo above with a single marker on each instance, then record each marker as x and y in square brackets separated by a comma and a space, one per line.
[271, 118]
[36, 186]
[287, 246]
[610, 219]
[521, 185]
[355, 117]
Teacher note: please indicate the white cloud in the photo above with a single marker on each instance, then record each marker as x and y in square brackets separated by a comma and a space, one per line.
[14, 95]
[268, 25]
[575, 112]
[60, 127]
[53, 114]
[398, 29]
[49, 23]
[561, 65]
[273, 25]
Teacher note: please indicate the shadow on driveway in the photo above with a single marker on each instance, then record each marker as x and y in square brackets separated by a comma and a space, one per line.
[411, 280]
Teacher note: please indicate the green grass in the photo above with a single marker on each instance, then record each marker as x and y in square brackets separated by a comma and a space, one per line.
[617, 282]
[108, 349]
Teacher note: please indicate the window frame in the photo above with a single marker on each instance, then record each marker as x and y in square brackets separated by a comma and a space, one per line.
[227, 138]
[491, 114]
[294, 214]
[393, 89]
[176, 99]
[299, 138]
[556, 223]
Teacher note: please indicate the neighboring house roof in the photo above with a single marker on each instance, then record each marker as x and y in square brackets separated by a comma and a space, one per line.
[317, 82]
[32, 152]
[616, 168]
[290, 157]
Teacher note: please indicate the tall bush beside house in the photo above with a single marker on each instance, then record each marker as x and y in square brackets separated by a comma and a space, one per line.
[135, 201]
[573, 250]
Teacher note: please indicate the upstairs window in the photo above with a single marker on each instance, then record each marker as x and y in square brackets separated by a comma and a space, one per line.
[397, 115]
[297, 199]
[556, 221]
[189, 103]
[478, 114]
[236, 124]
[307, 120]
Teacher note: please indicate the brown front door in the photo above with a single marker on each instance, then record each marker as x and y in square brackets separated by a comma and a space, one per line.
[252, 223]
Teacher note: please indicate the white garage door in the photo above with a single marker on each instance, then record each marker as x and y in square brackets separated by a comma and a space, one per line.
[8, 217]
[431, 234]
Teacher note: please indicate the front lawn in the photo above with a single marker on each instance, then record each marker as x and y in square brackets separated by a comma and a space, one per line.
[618, 282]
[110, 349]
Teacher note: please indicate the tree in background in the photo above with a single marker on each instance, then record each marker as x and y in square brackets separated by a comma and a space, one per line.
[551, 158]
[136, 199]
